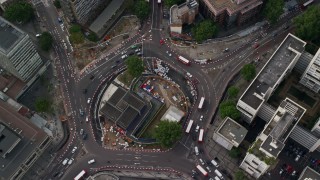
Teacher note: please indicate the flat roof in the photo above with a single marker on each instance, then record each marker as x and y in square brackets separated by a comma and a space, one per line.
[105, 16]
[218, 6]
[173, 114]
[179, 11]
[309, 174]
[23, 154]
[232, 130]
[9, 35]
[274, 69]
[280, 126]
[8, 139]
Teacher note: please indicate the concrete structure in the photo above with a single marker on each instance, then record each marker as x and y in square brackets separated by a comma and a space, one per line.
[102, 23]
[311, 76]
[173, 114]
[17, 53]
[81, 11]
[182, 14]
[228, 12]
[309, 174]
[271, 75]
[272, 139]
[21, 143]
[229, 134]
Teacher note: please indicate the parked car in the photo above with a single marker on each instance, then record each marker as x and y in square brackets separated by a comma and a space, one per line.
[89, 100]
[74, 149]
[201, 161]
[65, 161]
[197, 128]
[81, 131]
[201, 117]
[124, 56]
[137, 50]
[70, 161]
[297, 158]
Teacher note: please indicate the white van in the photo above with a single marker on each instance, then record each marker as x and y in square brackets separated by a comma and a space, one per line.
[197, 128]
[215, 163]
[87, 119]
[218, 173]
[196, 150]
[65, 161]
[216, 178]
[38, 35]
[91, 161]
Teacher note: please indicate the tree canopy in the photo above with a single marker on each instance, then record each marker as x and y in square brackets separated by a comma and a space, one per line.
[273, 10]
[248, 72]
[93, 37]
[42, 105]
[233, 91]
[234, 152]
[57, 4]
[204, 30]
[239, 175]
[20, 12]
[141, 9]
[228, 108]
[170, 3]
[307, 25]
[135, 66]
[76, 36]
[46, 41]
[167, 133]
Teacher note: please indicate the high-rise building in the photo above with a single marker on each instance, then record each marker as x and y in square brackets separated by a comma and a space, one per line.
[17, 52]
[311, 76]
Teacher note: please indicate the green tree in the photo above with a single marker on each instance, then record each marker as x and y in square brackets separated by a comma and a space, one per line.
[57, 4]
[170, 3]
[248, 72]
[234, 152]
[76, 38]
[141, 9]
[204, 30]
[239, 175]
[75, 28]
[228, 108]
[135, 66]
[42, 105]
[46, 41]
[93, 37]
[167, 133]
[273, 10]
[233, 91]
[307, 25]
[20, 11]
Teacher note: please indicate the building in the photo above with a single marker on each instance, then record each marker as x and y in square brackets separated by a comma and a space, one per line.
[228, 12]
[107, 18]
[183, 14]
[229, 134]
[173, 114]
[311, 76]
[17, 53]
[21, 143]
[81, 11]
[272, 139]
[309, 174]
[271, 75]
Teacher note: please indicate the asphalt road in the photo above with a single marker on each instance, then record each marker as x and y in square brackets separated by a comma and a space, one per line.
[181, 157]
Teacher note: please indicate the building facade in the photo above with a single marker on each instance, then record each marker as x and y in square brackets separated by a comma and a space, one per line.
[311, 76]
[17, 52]
[227, 12]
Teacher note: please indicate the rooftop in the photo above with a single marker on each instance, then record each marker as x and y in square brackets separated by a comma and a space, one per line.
[309, 174]
[173, 114]
[8, 139]
[218, 6]
[273, 71]
[178, 11]
[232, 130]
[9, 35]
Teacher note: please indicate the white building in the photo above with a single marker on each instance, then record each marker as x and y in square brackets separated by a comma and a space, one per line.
[173, 114]
[311, 76]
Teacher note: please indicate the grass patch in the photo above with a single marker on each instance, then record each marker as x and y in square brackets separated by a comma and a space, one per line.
[126, 78]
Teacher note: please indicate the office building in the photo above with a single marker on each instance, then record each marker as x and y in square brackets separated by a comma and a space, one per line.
[229, 12]
[229, 134]
[311, 76]
[309, 174]
[183, 14]
[271, 75]
[17, 53]
[272, 139]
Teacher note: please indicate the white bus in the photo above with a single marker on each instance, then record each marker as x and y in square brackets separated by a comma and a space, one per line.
[204, 172]
[189, 126]
[201, 135]
[184, 60]
[201, 103]
[80, 175]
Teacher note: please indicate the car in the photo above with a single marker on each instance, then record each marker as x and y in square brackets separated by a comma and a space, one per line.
[131, 53]
[197, 128]
[87, 119]
[59, 20]
[194, 171]
[91, 77]
[56, 174]
[226, 50]
[89, 100]
[294, 173]
[65, 161]
[256, 45]
[117, 61]
[137, 50]
[81, 112]
[70, 161]
[201, 161]
[60, 174]
[114, 66]
[38, 35]
[123, 52]
[170, 54]
[124, 56]
[91, 161]
[139, 54]
[189, 75]
[84, 136]
[297, 158]
[133, 46]
[208, 168]
[81, 131]
[161, 41]
[281, 171]
[214, 163]
[201, 117]
[74, 149]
